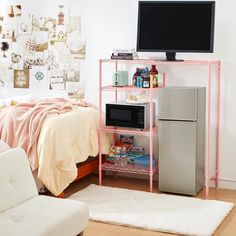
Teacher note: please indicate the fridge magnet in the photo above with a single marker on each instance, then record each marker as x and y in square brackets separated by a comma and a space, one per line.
[56, 80]
[21, 78]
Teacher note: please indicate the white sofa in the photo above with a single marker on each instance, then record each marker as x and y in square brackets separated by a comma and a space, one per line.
[24, 212]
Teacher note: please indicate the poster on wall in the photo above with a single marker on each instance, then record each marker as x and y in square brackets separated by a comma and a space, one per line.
[36, 60]
[75, 89]
[77, 49]
[17, 61]
[41, 40]
[39, 77]
[21, 78]
[72, 75]
[25, 25]
[56, 80]
[13, 11]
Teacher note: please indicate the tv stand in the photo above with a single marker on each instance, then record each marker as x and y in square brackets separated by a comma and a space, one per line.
[171, 56]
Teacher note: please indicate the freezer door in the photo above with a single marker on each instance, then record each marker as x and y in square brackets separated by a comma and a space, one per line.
[177, 157]
[178, 103]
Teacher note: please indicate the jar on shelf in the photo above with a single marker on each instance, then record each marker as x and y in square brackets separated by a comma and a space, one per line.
[154, 76]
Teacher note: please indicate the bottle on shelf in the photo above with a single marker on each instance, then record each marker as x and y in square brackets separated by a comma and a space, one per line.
[136, 74]
[154, 76]
[146, 78]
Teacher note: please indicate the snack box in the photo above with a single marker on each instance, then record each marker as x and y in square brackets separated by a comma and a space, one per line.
[144, 161]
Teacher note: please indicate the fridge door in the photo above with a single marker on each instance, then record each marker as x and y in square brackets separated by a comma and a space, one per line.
[178, 103]
[177, 157]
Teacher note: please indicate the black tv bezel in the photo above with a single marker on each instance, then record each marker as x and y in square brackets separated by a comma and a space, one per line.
[211, 49]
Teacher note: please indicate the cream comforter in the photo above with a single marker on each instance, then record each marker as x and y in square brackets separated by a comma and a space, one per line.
[65, 140]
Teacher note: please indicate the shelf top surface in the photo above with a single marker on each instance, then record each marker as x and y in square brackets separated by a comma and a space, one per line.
[158, 61]
[110, 87]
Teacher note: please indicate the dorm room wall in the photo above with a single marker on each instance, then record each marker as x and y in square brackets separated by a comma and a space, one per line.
[109, 24]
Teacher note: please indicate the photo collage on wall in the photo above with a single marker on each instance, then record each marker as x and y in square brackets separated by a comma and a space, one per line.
[41, 52]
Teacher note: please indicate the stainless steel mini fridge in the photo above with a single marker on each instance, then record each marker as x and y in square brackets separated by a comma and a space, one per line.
[181, 132]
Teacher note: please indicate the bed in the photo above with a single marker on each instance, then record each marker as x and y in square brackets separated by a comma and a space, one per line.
[56, 134]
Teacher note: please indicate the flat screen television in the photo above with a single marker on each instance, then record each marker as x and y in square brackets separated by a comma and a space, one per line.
[176, 26]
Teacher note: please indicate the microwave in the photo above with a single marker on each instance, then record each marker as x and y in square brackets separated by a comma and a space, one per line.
[122, 114]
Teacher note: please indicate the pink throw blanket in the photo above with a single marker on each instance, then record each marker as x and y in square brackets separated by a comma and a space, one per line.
[20, 125]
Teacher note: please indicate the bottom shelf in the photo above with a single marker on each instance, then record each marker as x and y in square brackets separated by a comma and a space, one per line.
[130, 168]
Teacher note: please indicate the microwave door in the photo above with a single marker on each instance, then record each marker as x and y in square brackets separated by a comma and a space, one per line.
[124, 116]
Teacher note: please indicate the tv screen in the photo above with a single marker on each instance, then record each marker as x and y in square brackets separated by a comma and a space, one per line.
[175, 26]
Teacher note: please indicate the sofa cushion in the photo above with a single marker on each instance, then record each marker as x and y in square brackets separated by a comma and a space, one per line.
[3, 146]
[16, 181]
[45, 216]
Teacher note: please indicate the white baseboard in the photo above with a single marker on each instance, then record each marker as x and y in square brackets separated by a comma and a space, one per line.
[225, 183]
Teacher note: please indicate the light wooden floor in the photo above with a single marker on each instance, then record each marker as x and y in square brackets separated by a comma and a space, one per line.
[227, 228]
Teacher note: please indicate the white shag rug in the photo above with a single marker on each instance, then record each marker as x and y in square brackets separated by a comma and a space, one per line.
[152, 211]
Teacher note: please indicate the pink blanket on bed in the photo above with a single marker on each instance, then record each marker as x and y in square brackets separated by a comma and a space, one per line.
[20, 125]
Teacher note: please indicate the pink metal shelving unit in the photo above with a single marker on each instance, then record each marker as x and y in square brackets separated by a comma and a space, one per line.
[150, 171]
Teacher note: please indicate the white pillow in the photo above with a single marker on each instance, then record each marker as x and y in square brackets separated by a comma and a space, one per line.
[17, 99]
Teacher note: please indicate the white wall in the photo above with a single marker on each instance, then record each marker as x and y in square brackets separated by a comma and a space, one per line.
[108, 24]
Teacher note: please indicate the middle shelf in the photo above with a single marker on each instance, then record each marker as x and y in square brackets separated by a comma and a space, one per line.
[120, 130]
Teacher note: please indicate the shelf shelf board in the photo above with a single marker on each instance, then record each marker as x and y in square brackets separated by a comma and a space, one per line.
[162, 62]
[129, 88]
[130, 168]
[121, 130]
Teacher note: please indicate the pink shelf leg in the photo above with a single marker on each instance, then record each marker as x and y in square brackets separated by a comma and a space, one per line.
[116, 93]
[100, 123]
[207, 154]
[151, 140]
[218, 126]
[164, 79]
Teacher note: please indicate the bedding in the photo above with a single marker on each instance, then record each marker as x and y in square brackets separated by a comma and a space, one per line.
[56, 134]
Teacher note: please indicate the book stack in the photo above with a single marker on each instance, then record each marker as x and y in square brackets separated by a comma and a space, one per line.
[124, 54]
